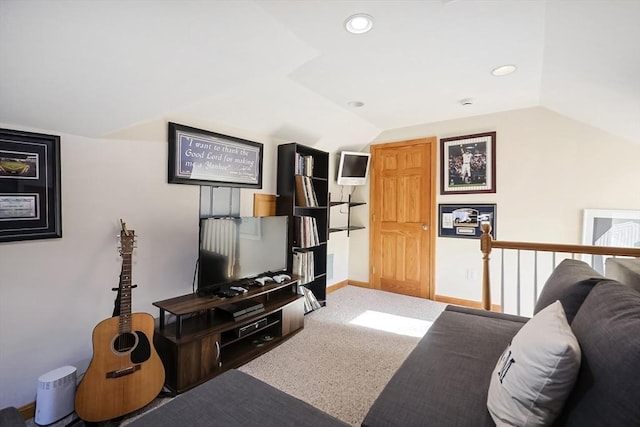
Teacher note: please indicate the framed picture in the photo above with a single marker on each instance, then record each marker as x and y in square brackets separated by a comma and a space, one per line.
[464, 220]
[605, 227]
[29, 186]
[200, 157]
[468, 164]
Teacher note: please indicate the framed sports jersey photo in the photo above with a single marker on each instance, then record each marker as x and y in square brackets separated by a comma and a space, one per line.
[468, 164]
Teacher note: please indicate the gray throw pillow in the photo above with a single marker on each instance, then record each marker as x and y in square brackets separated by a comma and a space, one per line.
[570, 282]
[607, 392]
[536, 373]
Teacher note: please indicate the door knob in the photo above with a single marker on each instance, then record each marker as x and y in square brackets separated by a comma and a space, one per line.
[425, 227]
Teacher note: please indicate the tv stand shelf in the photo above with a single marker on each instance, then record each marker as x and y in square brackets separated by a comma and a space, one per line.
[187, 305]
[205, 342]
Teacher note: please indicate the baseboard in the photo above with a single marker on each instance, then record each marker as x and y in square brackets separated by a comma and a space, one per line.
[439, 298]
[336, 286]
[28, 411]
[360, 284]
[465, 302]
[347, 282]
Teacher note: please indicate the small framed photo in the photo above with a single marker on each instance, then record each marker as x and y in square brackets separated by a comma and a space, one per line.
[464, 220]
[468, 164]
[200, 157]
[29, 186]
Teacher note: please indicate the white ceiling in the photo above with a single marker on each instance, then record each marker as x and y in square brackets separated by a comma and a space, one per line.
[288, 69]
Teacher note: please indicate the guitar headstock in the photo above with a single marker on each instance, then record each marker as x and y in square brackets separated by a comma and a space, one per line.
[127, 239]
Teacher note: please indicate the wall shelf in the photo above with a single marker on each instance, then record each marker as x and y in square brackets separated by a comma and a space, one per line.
[349, 227]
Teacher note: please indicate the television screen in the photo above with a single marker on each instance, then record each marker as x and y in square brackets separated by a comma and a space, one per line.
[353, 168]
[232, 249]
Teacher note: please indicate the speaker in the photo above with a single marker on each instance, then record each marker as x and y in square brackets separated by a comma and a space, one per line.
[56, 395]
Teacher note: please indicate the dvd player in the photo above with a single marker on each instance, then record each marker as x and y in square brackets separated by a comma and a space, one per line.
[251, 327]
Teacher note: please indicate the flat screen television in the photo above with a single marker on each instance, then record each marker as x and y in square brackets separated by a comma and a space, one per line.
[232, 249]
[353, 168]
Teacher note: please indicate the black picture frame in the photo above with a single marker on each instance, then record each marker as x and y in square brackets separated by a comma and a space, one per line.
[200, 157]
[468, 175]
[464, 220]
[30, 193]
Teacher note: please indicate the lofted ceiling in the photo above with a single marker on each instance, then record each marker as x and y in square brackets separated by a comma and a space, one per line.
[289, 70]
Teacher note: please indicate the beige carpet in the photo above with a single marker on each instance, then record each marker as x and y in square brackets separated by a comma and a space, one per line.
[340, 366]
[343, 357]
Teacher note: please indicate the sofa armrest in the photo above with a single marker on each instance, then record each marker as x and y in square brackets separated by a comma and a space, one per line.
[484, 313]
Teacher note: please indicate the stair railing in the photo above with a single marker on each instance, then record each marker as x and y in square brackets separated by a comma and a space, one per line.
[487, 244]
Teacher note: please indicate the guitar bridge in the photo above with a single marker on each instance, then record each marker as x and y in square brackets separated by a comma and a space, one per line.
[122, 372]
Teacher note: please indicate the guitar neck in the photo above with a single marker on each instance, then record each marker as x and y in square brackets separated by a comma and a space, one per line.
[127, 242]
[125, 294]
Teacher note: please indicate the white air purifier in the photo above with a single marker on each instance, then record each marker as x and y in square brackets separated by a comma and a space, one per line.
[56, 395]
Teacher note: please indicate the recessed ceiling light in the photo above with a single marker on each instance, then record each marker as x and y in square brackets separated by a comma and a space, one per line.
[355, 104]
[359, 23]
[503, 70]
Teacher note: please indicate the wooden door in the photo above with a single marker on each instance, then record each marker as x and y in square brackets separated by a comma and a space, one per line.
[403, 217]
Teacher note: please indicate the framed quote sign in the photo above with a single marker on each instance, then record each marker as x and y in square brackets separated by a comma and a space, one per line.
[201, 157]
[29, 186]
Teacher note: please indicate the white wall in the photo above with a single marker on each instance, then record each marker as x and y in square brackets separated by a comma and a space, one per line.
[53, 292]
[549, 168]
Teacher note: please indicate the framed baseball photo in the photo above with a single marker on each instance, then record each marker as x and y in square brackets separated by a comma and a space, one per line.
[468, 164]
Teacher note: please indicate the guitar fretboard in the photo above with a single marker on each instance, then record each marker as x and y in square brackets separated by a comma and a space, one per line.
[127, 241]
[125, 294]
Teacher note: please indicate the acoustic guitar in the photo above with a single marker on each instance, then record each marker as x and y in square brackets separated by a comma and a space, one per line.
[125, 372]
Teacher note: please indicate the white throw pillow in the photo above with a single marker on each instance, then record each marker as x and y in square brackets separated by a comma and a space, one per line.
[536, 373]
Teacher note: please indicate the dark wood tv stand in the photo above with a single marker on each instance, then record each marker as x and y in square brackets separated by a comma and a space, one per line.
[204, 342]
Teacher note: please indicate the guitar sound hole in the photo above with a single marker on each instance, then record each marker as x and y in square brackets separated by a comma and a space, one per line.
[125, 342]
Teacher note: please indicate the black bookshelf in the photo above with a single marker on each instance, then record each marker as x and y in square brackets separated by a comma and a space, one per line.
[290, 158]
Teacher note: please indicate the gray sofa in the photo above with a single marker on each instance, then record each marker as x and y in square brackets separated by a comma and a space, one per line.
[11, 417]
[235, 399]
[445, 380]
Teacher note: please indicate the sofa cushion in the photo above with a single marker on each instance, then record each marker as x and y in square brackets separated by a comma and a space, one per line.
[536, 372]
[445, 379]
[607, 392]
[570, 282]
[235, 399]
[624, 270]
